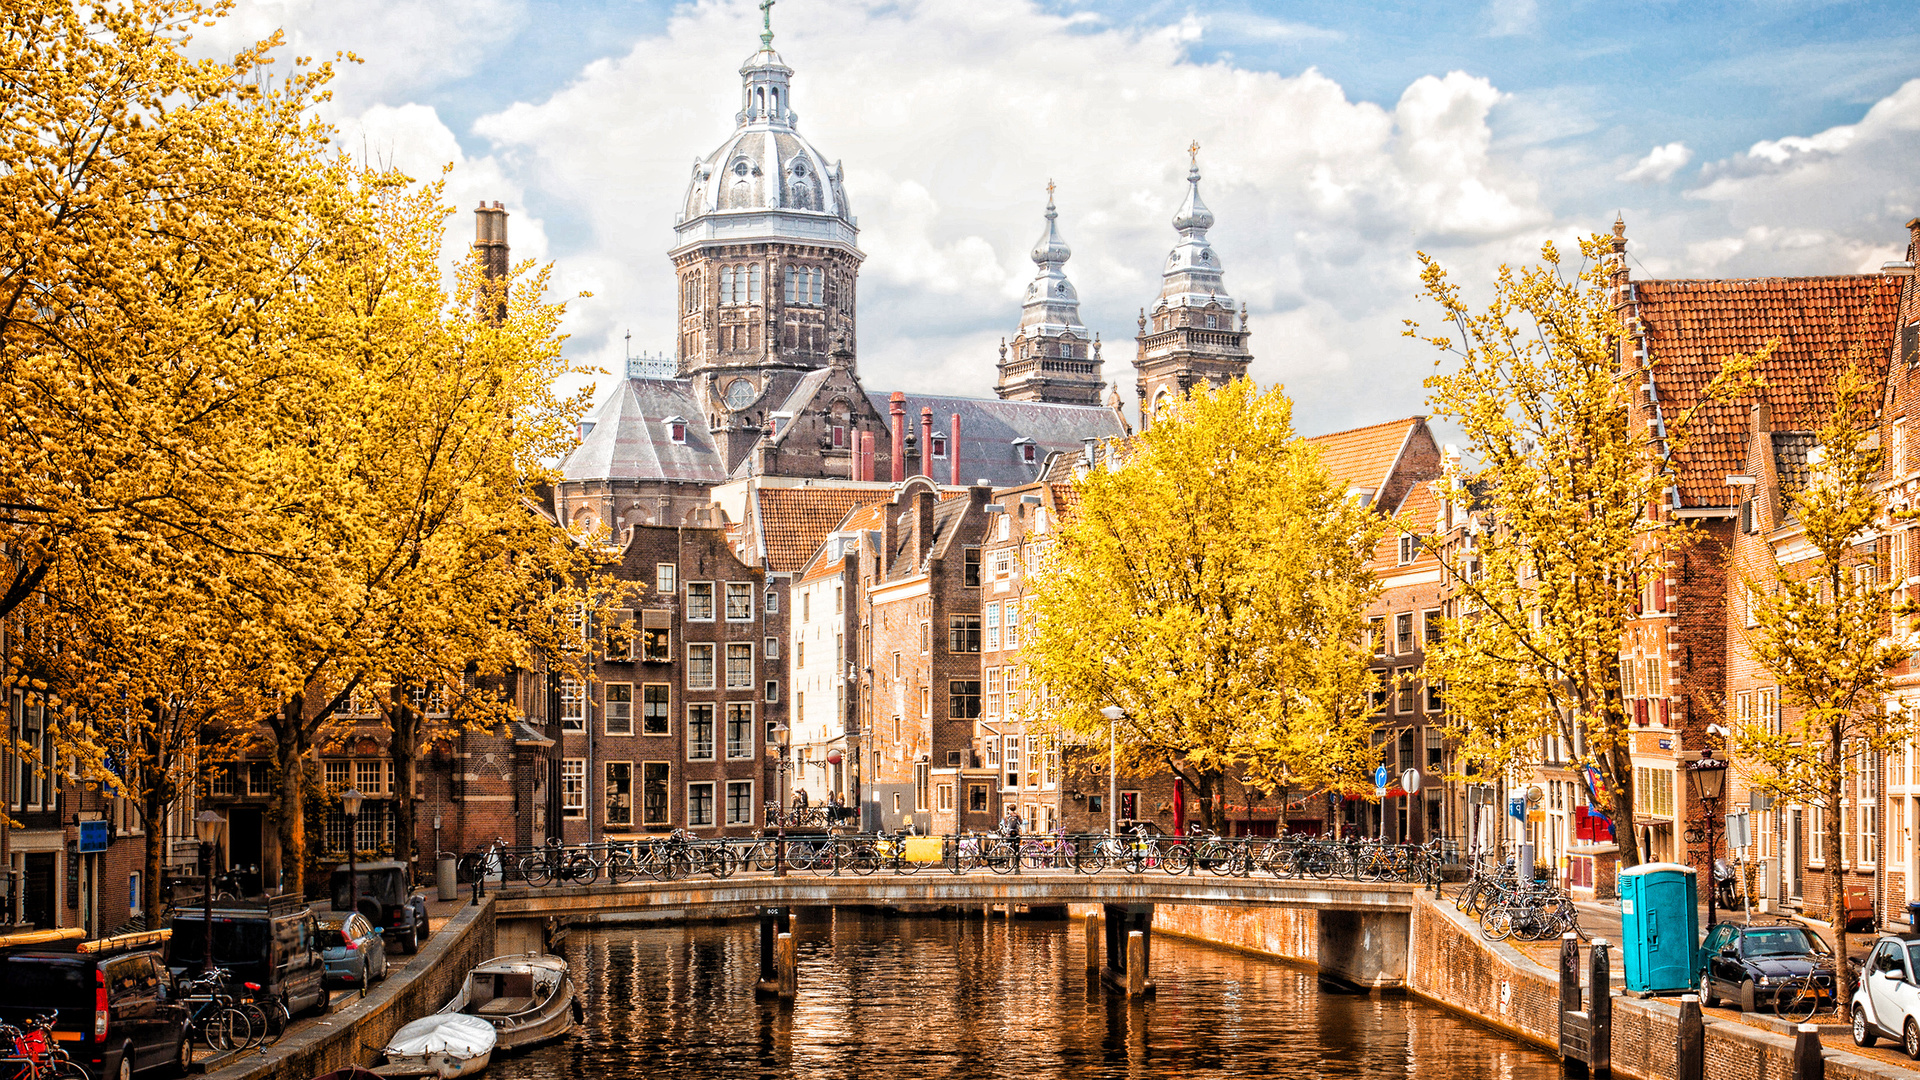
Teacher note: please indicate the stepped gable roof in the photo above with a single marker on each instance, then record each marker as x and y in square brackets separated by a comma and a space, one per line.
[990, 427]
[632, 438]
[796, 520]
[1365, 456]
[1691, 327]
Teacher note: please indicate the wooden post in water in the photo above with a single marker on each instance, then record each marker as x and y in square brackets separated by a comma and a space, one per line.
[1093, 951]
[1600, 1008]
[789, 974]
[1690, 1051]
[1136, 964]
[1808, 1064]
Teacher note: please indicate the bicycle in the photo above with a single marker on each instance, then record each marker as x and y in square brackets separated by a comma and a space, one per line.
[212, 1018]
[268, 1015]
[36, 1055]
[1801, 996]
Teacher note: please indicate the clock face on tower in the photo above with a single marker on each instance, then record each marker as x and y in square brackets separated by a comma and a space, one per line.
[740, 394]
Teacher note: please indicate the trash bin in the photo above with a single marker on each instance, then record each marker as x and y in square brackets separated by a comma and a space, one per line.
[447, 878]
[1659, 927]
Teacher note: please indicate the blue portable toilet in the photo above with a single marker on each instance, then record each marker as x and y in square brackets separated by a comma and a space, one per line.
[1659, 927]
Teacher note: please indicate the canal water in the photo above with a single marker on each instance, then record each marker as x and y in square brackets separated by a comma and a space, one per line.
[908, 996]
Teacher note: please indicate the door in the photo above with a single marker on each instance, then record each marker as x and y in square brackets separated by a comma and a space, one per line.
[37, 903]
[1796, 853]
[1717, 966]
[1886, 969]
[244, 825]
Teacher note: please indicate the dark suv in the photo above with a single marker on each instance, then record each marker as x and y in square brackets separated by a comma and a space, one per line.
[386, 900]
[118, 1011]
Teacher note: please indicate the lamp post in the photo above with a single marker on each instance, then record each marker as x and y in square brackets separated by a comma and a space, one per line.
[1114, 715]
[779, 731]
[207, 828]
[1708, 779]
[350, 800]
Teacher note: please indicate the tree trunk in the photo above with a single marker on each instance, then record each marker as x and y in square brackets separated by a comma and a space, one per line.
[404, 723]
[1836, 880]
[1207, 785]
[1619, 762]
[154, 856]
[290, 752]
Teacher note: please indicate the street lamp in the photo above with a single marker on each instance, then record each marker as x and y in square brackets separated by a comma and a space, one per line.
[1708, 779]
[208, 828]
[779, 732]
[350, 801]
[1114, 715]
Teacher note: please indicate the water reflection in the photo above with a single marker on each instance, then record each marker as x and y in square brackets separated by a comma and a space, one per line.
[884, 996]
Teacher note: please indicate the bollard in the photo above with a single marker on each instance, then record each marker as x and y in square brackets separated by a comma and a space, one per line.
[1600, 1009]
[1690, 1049]
[789, 974]
[1569, 997]
[1136, 964]
[1808, 1064]
[1093, 951]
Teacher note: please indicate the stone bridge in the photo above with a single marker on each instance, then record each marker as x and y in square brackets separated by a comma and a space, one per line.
[1361, 932]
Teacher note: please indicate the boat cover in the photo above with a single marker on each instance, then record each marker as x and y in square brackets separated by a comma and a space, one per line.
[452, 1033]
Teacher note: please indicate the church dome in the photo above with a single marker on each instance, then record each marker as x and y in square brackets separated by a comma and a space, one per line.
[765, 164]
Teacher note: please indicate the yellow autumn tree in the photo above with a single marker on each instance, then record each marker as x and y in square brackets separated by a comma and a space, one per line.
[1820, 627]
[1563, 490]
[1211, 583]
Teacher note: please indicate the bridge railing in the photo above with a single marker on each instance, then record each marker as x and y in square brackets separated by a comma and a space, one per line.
[863, 854]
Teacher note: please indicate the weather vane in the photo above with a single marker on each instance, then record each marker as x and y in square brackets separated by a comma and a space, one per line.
[766, 24]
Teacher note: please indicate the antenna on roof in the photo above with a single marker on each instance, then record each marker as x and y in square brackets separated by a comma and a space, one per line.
[629, 343]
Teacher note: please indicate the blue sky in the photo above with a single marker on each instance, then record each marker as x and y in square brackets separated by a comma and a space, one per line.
[1738, 140]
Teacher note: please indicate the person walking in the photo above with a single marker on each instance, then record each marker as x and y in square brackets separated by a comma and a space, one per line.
[836, 807]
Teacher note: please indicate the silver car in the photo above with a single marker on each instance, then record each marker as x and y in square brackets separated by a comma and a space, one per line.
[1887, 1002]
[352, 949]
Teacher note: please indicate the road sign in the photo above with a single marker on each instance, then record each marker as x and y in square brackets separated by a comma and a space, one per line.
[1739, 832]
[93, 836]
[1380, 777]
[1410, 780]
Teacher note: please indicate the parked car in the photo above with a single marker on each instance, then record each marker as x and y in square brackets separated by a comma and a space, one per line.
[1887, 1001]
[352, 950]
[387, 900]
[117, 1011]
[272, 942]
[1747, 965]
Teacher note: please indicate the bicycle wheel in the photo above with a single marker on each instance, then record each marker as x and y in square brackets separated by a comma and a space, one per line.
[536, 870]
[1798, 1002]
[65, 1069]
[582, 869]
[256, 1023]
[761, 857]
[1177, 859]
[1092, 861]
[1497, 924]
[860, 858]
[1001, 857]
[225, 1029]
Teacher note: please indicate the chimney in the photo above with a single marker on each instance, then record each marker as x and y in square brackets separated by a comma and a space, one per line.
[897, 407]
[953, 453]
[923, 503]
[1087, 451]
[866, 455]
[926, 442]
[490, 246]
[1762, 417]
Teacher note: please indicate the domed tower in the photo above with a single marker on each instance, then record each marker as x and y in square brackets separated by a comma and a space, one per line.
[766, 260]
[1053, 357]
[1189, 335]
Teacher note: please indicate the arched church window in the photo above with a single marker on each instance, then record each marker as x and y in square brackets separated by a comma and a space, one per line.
[776, 102]
[753, 284]
[726, 285]
[760, 102]
[818, 278]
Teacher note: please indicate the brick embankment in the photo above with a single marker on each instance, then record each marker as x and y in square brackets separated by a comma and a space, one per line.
[358, 1028]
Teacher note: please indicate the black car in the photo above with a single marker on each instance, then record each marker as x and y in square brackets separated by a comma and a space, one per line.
[386, 899]
[118, 1012]
[272, 943]
[1747, 965]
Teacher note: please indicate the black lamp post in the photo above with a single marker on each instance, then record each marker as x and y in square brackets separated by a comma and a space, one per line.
[207, 828]
[1708, 778]
[350, 800]
[779, 731]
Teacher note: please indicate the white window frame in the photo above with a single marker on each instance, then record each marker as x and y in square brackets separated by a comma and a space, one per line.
[704, 591]
[728, 813]
[712, 743]
[746, 679]
[573, 787]
[666, 578]
[712, 810]
[737, 589]
[695, 648]
[617, 714]
[739, 752]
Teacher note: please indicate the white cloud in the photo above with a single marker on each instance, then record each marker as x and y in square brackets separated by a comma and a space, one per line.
[951, 119]
[1659, 165]
[1512, 18]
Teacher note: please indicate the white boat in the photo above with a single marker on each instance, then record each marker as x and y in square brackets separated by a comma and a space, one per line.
[446, 1045]
[527, 998]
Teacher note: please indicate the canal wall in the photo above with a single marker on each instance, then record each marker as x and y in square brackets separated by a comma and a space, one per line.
[356, 1033]
[1451, 965]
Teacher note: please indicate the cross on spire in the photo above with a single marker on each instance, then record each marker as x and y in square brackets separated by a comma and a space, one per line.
[766, 24]
[1193, 151]
[1049, 191]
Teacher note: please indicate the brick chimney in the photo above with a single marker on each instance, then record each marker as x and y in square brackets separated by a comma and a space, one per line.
[1762, 417]
[897, 408]
[864, 465]
[953, 453]
[490, 245]
[926, 442]
[923, 504]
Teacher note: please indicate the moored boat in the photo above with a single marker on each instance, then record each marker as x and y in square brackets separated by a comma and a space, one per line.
[528, 998]
[446, 1045]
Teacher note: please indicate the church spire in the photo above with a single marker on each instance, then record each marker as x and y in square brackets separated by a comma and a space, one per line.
[1188, 337]
[1051, 354]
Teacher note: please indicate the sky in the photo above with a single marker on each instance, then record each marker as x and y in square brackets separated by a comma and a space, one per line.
[1337, 141]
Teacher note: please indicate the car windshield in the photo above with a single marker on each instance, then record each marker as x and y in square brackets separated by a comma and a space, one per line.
[1780, 941]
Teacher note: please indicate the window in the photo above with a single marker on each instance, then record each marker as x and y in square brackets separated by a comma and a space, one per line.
[1403, 685]
[619, 708]
[1653, 791]
[1011, 755]
[700, 732]
[367, 776]
[219, 784]
[1129, 806]
[926, 637]
[653, 793]
[772, 603]
[1013, 691]
[1409, 548]
[977, 798]
[677, 431]
[1012, 637]
[1001, 571]
[700, 804]
[656, 637]
[970, 568]
[839, 599]
[939, 446]
[573, 787]
[655, 699]
[619, 793]
[739, 666]
[1766, 711]
[800, 654]
[1434, 704]
[1377, 635]
[666, 578]
[739, 601]
[963, 699]
[993, 692]
[806, 607]
[963, 633]
[1403, 634]
[739, 730]
[993, 627]
[773, 690]
[700, 665]
[700, 601]
[739, 802]
[943, 797]
[1431, 627]
[1379, 695]
[805, 284]
[926, 701]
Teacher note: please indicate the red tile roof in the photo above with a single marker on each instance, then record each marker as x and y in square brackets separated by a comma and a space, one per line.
[1360, 457]
[1692, 327]
[794, 521]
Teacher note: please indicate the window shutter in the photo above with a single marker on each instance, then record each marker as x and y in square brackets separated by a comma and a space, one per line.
[1660, 594]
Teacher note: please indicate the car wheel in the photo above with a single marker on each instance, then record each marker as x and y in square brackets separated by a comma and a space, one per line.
[1910, 1039]
[1747, 1003]
[1863, 1033]
[183, 1057]
[1708, 998]
[126, 1063]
